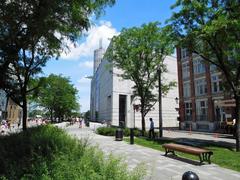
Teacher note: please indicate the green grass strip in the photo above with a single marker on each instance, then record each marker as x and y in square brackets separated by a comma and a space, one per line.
[224, 157]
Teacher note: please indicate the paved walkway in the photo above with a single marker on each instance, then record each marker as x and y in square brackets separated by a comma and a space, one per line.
[158, 166]
[201, 137]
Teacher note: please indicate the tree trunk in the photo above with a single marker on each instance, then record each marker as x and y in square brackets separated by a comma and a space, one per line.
[24, 107]
[143, 124]
[237, 116]
[51, 115]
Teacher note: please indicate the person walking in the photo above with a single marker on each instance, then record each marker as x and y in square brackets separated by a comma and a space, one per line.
[151, 130]
[80, 123]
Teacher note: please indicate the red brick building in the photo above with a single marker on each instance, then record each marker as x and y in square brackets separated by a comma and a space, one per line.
[203, 104]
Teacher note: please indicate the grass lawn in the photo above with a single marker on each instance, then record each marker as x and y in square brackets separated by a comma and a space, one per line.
[224, 157]
[47, 152]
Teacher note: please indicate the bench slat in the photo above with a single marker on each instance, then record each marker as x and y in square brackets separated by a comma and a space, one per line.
[184, 148]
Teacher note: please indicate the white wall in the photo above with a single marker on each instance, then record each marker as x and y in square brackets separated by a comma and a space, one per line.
[169, 104]
[105, 87]
[111, 84]
[102, 79]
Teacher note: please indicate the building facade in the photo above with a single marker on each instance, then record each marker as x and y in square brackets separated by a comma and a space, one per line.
[112, 98]
[9, 110]
[14, 112]
[203, 104]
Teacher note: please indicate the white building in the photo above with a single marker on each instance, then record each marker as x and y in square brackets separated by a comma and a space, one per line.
[111, 96]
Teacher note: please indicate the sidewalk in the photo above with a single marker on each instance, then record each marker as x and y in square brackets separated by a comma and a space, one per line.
[200, 137]
[158, 166]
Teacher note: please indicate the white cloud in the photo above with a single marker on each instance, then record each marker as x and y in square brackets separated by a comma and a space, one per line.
[103, 31]
[84, 80]
[85, 104]
[86, 64]
[83, 86]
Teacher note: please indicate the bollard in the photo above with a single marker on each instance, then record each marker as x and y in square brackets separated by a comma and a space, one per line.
[189, 175]
[216, 135]
[190, 129]
[131, 136]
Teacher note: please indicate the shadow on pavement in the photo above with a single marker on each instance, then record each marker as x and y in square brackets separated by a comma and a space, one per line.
[189, 161]
[201, 142]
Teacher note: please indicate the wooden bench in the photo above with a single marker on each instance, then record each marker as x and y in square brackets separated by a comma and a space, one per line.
[204, 154]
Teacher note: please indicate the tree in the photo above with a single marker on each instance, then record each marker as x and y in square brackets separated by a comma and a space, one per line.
[211, 29]
[58, 96]
[32, 32]
[140, 52]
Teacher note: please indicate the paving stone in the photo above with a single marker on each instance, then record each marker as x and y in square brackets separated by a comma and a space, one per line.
[158, 166]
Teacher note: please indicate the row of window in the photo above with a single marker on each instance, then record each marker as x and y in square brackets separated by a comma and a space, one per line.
[198, 68]
[201, 109]
[201, 86]
[185, 54]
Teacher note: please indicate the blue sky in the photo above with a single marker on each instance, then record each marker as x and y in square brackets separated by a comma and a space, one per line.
[77, 64]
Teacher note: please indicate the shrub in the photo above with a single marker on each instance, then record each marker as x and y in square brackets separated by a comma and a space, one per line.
[106, 131]
[47, 152]
[110, 131]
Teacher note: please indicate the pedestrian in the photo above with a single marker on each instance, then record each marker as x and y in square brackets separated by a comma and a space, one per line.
[8, 124]
[3, 127]
[151, 130]
[234, 128]
[80, 123]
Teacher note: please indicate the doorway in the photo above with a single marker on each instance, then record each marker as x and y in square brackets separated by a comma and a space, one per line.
[122, 110]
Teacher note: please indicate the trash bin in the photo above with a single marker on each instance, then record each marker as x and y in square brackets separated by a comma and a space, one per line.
[131, 136]
[189, 175]
[119, 134]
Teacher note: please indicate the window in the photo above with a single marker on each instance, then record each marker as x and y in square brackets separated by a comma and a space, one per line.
[213, 67]
[188, 108]
[200, 87]
[201, 110]
[199, 66]
[201, 107]
[184, 53]
[185, 70]
[216, 84]
[186, 89]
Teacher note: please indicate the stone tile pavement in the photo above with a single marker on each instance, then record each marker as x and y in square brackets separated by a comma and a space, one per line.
[158, 166]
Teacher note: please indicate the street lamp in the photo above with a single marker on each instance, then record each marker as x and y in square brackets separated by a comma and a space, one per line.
[177, 109]
[176, 99]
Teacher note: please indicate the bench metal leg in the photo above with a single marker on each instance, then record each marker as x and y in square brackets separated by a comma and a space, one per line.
[205, 157]
[169, 151]
[209, 157]
[201, 159]
[166, 152]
